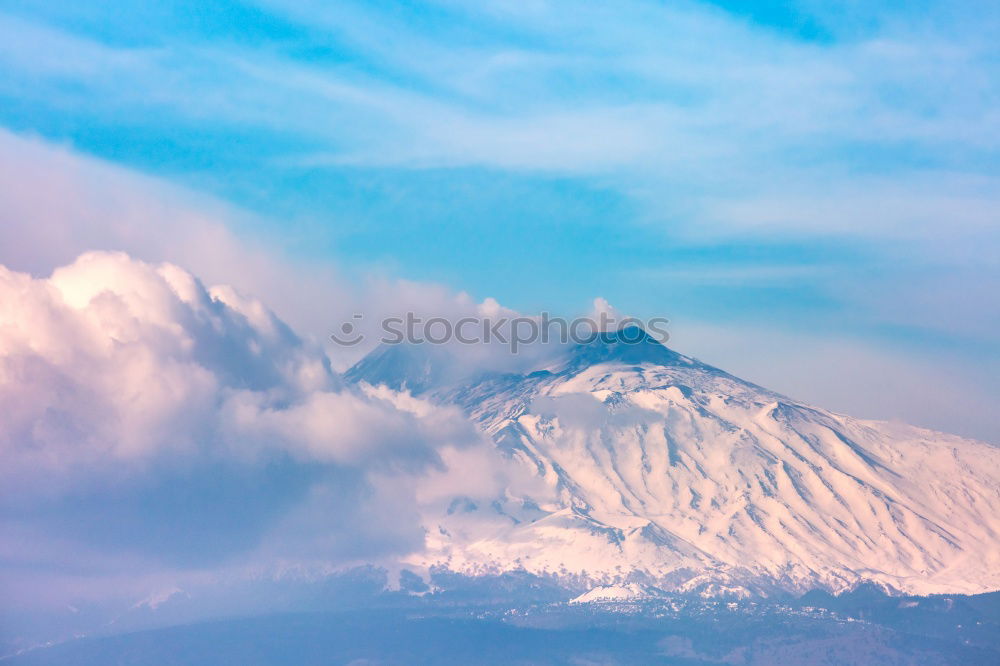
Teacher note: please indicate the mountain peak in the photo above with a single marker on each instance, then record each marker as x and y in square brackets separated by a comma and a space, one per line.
[423, 367]
[630, 345]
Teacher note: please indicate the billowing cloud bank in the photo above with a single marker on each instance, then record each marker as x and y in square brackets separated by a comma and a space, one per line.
[112, 360]
[150, 423]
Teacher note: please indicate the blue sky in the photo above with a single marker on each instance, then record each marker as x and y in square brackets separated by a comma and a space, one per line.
[804, 169]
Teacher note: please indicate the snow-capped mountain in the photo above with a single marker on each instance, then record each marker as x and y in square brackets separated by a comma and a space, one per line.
[654, 467]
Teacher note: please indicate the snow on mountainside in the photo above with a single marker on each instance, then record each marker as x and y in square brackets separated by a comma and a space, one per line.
[655, 467]
[617, 593]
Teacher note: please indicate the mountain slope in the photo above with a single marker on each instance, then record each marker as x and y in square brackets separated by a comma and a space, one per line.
[657, 467]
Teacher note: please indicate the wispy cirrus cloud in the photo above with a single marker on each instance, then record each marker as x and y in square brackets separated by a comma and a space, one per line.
[420, 74]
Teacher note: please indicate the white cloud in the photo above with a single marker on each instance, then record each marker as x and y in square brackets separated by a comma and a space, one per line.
[115, 359]
[170, 426]
[156, 430]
